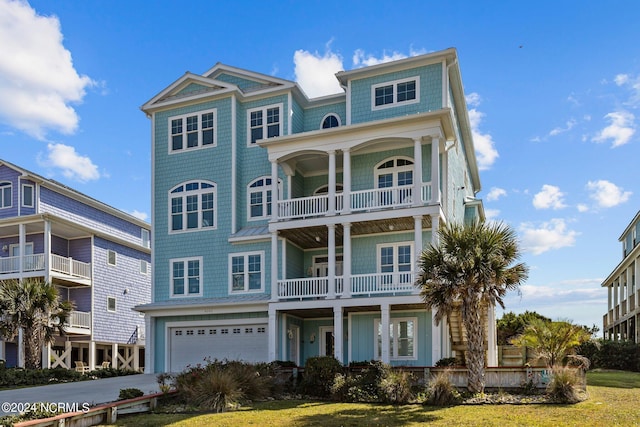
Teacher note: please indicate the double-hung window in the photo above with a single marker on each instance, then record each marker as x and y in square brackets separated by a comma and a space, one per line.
[192, 131]
[402, 338]
[5, 195]
[246, 272]
[27, 196]
[395, 263]
[192, 206]
[398, 92]
[259, 194]
[186, 277]
[264, 122]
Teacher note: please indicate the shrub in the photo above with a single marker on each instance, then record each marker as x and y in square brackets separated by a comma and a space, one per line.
[319, 375]
[447, 361]
[605, 354]
[563, 386]
[395, 387]
[130, 393]
[217, 390]
[441, 392]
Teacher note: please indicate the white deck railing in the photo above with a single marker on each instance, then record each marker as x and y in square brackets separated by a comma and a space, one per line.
[80, 319]
[361, 284]
[70, 266]
[362, 200]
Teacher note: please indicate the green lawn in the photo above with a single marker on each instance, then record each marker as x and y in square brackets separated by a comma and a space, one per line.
[613, 401]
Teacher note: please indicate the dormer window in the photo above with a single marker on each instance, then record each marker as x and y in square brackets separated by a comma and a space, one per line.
[330, 121]
[398, 92]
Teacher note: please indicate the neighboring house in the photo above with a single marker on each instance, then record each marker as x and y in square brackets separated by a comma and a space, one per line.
[97, 257]
[621, 320]
[286, 227]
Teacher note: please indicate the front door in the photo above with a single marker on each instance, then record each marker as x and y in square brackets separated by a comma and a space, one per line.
[326, 341]
[15, 251]
[293, 334]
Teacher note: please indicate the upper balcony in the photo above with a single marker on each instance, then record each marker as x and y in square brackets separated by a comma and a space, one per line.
[359, 201]
[63, 269]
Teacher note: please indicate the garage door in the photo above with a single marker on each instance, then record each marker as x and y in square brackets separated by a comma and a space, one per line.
[192, 345]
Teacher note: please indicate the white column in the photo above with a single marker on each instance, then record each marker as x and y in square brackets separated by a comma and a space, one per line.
[385, 320]
[331, 275]
[346, 260]
[417, 239]
[3, 350]
[609, 297]
[22, 240]
[274, 190]
[114, 355]
[273, 338]
[92, 355]
[417, 171]
[46, 356]
[47, 250]
[435, 169]
[149, 344]
[436, 339]
[20, 348]
[492, 340]
[67, 354]
[346, 181]
[332, 183]
[435, 225]
[274, 266]
[338, 334]
[615, 292]
[136, 357]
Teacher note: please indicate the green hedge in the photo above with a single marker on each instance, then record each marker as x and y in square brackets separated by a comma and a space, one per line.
[605, 354]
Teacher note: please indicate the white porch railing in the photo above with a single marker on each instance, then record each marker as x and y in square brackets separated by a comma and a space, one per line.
[9, 265]
[361, 284]
[70, 266]
[80, 319]
[362, 200]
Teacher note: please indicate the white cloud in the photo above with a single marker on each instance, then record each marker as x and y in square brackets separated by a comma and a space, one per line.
[495, 193]
[37, 79]
[549, 235]
[485, 150]
[568, 126]
[582, 207]
[549, 197]
[73, 165]
[362, 59]
[606, 194]
[473, 99]
[491, 214]
[140, 215]
[620, 130]
[316, 73]
[621, 79]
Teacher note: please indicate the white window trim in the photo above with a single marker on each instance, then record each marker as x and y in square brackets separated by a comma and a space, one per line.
[265, 189]
[395, 102]
[146, 267]
[10, 186]
[184, 131]
[264, 121]
[183, 195]
[33, 195]
[394, 321]
[186, 293]
[115, 303]
[147, 243]
[115, 257]
[330, 114]
[246, 255]
[395, 245]
[394, 170]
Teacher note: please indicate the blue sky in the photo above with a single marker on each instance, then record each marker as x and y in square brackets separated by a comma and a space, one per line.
[553, 89]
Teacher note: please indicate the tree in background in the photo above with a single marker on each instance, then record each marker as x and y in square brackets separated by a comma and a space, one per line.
[470, 268]
[510, 325]
[33, 307]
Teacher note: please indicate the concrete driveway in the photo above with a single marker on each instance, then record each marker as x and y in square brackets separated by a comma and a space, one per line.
[91, 392]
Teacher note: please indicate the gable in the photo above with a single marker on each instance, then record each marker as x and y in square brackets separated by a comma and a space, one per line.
[245, 84]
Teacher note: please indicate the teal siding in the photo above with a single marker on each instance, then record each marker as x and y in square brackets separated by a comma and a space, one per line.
[296, 266]
[297, 122]
[242, 83]
[430, 94]
[313, 116]
[192, 89]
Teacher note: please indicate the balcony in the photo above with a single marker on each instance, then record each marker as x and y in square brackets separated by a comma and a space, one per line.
[79, 323]
[360, 201]
[64, 268]
[360, 285]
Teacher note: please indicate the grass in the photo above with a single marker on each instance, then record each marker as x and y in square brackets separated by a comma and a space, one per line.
[613, 398]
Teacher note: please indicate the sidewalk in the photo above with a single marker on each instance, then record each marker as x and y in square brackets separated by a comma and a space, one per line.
[91, 392]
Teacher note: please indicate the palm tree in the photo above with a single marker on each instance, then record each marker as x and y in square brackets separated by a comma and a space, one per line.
[33, 307]
[554, 342]
[470, 268]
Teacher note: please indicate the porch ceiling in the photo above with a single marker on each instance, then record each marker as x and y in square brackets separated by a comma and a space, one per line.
[316, 237]
[328, 311]
[57, 229]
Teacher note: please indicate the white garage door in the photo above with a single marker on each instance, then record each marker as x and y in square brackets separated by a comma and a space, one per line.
[192, 345]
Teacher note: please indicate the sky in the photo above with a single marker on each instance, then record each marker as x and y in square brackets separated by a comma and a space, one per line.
[552, 87]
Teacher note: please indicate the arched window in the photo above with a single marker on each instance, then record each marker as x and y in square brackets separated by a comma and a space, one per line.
[396, 174]
[192, 206]
[259, 198]
[325, 189]
[330, 121]
[5, 194]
